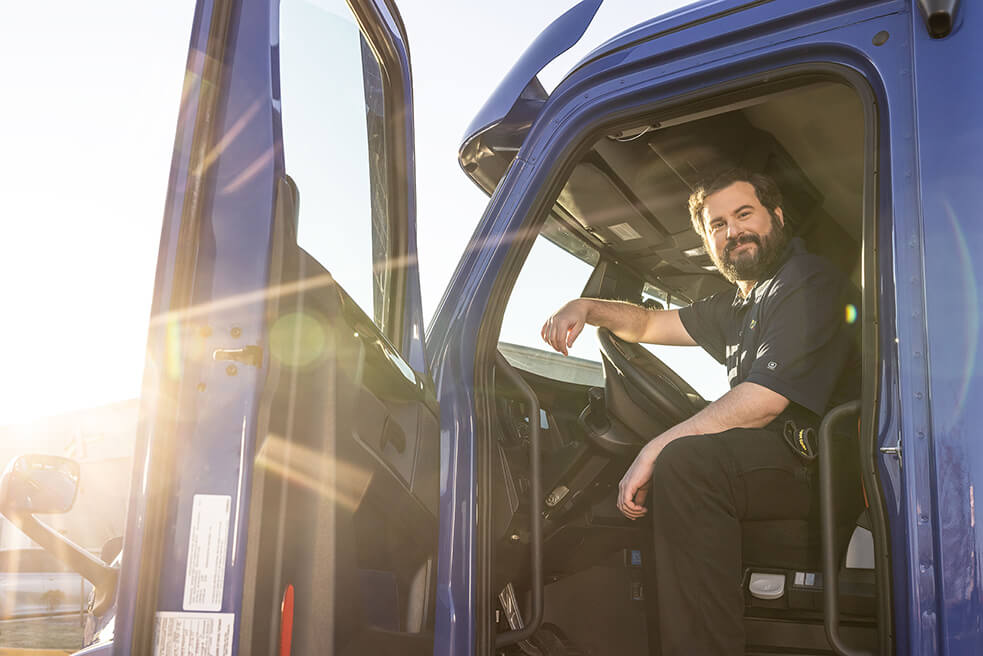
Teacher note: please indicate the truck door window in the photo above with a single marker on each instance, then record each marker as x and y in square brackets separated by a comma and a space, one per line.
[332, 107]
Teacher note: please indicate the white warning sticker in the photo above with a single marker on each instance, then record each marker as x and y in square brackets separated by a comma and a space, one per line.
[207, 544]
[201, 634]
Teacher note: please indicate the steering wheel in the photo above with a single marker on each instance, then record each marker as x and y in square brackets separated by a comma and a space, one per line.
[641, 390]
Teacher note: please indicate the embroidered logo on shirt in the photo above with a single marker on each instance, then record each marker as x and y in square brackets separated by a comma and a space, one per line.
[772, 365]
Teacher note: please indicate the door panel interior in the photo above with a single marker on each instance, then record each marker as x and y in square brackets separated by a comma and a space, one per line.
[344, 503]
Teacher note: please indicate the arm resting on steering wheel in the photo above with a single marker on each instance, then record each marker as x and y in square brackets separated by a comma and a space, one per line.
[628, 321]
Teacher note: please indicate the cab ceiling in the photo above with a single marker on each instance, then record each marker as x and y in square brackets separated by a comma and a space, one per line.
[628, 196]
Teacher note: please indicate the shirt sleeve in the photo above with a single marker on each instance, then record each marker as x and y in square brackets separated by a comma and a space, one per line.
[806, 339]
[705, 320]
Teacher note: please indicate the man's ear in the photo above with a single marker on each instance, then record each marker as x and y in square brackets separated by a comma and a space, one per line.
[780, 215]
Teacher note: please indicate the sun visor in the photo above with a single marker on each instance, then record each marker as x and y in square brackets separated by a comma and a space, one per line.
[608, 210]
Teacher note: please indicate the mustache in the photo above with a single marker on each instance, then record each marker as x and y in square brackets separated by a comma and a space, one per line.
[749, 238]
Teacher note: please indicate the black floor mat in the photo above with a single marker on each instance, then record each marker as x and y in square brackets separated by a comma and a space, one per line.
[594, 608]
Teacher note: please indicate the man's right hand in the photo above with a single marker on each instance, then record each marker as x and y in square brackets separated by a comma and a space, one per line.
[561, 330]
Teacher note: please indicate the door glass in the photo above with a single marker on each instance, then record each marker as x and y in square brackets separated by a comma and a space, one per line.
[334, 146]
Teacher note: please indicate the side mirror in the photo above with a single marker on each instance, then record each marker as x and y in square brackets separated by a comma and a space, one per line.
[39, 484]
[49, 484]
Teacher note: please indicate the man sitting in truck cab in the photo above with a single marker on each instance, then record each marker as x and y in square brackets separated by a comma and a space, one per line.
[787, 341]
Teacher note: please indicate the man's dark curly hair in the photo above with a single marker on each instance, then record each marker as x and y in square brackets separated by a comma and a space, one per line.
[769, 195]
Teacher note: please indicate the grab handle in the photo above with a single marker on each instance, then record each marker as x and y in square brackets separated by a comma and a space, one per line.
[831, 583]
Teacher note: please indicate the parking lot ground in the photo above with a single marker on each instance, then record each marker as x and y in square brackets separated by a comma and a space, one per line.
[40, 637]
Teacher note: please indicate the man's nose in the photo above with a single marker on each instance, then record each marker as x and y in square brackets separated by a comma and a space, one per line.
[734, 230]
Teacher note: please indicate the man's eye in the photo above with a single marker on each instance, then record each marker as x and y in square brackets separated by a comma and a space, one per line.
[714, 227]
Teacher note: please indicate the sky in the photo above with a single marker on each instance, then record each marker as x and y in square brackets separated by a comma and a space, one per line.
[455, 70]
[88, 126]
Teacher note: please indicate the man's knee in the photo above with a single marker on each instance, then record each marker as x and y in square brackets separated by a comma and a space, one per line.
[686, 462]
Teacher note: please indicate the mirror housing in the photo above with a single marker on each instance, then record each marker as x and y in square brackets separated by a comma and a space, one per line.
[39, 484]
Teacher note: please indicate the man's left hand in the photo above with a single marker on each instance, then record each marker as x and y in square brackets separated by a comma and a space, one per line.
[634, 485]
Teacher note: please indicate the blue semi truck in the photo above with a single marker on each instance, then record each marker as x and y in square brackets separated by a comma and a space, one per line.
[317, 473]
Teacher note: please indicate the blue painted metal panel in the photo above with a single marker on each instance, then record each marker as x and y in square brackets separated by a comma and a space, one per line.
[692, 17]
[452, 344]
[454, 628]
[164, 335]
[916, 601]
[950, 146]
[218, 406]
[214, 414]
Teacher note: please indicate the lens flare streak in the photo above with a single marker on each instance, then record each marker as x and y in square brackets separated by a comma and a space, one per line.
[331, 479]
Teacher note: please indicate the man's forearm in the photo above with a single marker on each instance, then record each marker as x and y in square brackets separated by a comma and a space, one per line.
[634, 323]
[748, 405]
[626, 320]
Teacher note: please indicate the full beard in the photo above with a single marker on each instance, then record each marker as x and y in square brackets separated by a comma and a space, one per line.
[755, 264]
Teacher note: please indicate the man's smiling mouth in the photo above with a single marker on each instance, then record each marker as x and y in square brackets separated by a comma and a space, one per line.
[742, 247]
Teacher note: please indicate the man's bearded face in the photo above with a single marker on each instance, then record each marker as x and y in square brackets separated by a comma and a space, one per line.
[744, 239]
[752, 262]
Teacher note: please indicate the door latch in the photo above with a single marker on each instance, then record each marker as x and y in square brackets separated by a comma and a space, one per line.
[894, 451]
[251, 355]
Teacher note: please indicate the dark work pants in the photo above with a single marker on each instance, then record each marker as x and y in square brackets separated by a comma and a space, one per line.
[703, 486]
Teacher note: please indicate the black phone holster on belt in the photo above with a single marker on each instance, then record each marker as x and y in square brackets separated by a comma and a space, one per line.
[802, 441]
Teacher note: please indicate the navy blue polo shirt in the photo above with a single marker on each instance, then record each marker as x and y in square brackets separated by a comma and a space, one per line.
[797, 333]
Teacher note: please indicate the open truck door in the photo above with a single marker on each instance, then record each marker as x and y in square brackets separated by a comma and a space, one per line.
[285, 492]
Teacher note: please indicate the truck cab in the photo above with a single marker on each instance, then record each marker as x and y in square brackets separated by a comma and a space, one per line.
[318, 472]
